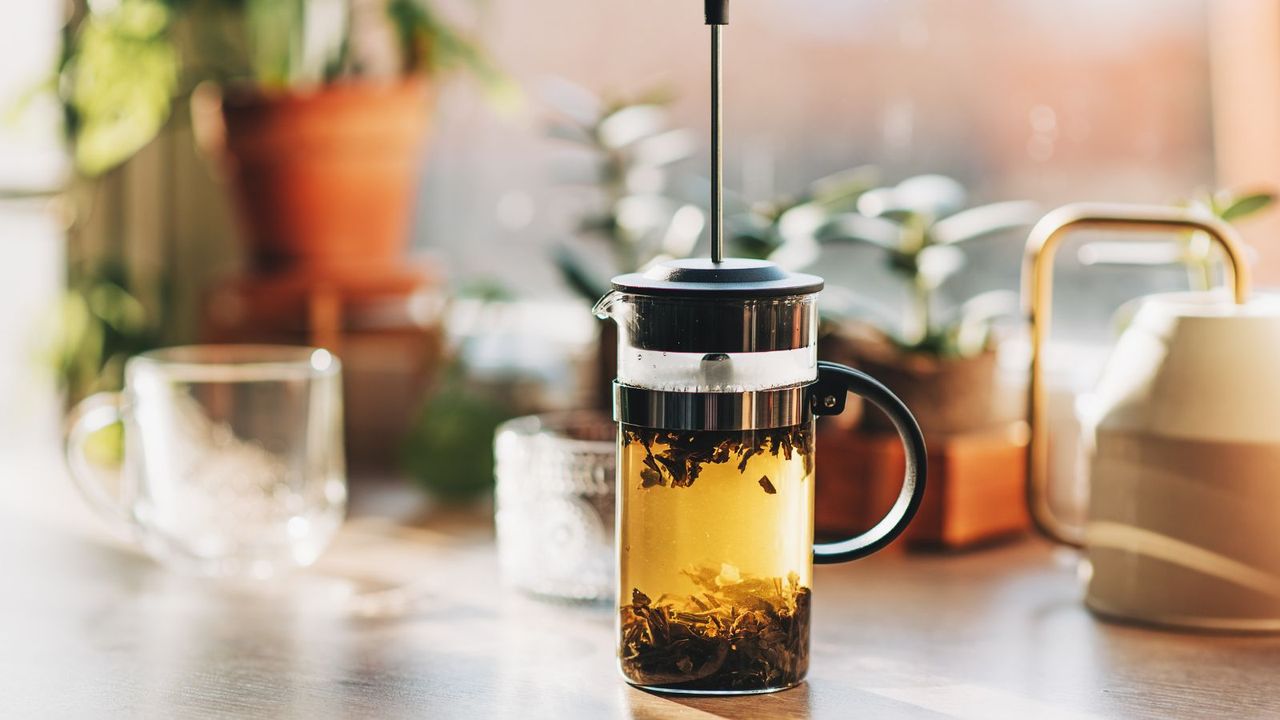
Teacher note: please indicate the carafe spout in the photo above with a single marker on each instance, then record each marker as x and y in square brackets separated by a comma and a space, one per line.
[604, 309]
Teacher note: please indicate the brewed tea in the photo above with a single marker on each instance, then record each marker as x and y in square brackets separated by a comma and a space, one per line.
[715, 557]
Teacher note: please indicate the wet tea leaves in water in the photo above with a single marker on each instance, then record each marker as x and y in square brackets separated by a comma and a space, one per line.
[650, 477]
[714, 558]
[675, 459]
[745, 635]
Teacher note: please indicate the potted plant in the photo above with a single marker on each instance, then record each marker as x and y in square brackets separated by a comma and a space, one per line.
[322, 130]
[319, 111]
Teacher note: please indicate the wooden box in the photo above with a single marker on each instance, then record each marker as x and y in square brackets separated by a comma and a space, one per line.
[974, 492]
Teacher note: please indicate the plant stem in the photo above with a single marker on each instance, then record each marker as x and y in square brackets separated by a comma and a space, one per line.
[922, 311]
[1200, 275]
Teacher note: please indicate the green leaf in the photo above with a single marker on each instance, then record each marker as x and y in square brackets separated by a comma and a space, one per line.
[752, 245]
[630, 124]
[658, 95]
[797, 253]
[27, 98]
[121, 311]
[275, 30]
[969, 327]
[933, 196]
[841, 190]
[487, 289]
[683, 230]
[576, 275]
[577, 104]
[103, 324]
[450, 449]
[901, 216]
[118, 83]
[429, 44]
[984, 221]
[856, 228]
[1247, 205]
[665, 148]
[936, 263]
[801, 222]
[606, 225]
[571, 132]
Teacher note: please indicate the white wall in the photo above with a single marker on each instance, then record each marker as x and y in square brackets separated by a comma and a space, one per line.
[31, 241]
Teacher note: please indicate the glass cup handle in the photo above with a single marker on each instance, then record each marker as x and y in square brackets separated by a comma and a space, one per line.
[827, 397]
[95, 413]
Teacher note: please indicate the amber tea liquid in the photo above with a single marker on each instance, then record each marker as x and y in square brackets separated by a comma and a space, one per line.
[715, 558]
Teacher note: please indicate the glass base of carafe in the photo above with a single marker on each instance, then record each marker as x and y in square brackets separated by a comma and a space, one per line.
[667, 690]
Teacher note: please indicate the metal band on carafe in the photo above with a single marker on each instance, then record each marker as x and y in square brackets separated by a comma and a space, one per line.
[750, 410]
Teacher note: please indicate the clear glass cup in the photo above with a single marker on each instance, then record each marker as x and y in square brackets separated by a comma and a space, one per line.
[555, 504]
[233, 458]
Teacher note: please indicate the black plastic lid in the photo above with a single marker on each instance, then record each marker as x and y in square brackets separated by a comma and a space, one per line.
[731, 279]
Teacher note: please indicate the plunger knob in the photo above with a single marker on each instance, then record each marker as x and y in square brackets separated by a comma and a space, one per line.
[717, 12]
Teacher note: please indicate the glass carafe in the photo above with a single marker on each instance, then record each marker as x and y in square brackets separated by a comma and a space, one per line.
[718, 387]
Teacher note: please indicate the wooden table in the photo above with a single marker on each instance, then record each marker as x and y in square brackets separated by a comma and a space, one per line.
[405, 617]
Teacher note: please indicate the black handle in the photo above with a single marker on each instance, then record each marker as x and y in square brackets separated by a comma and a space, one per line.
[827, 397]
[717, 12]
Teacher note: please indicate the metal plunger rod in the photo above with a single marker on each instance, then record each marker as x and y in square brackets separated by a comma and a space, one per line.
[717, 15]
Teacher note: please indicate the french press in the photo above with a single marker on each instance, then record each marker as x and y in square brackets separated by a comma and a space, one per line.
[717, 390]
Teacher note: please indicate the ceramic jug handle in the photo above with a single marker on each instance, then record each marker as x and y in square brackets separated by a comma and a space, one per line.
[827, 397]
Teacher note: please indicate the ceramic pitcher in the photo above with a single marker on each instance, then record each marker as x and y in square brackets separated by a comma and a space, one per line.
[1182, 441]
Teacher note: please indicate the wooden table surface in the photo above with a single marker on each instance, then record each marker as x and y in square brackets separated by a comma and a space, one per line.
[406, 617]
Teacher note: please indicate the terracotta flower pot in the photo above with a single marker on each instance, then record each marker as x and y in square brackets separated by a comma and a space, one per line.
[325, 179]
[947, 396]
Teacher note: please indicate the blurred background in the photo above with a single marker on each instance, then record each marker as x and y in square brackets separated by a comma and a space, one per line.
[466, 175]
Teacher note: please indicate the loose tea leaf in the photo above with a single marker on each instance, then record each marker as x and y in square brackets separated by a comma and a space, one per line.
[675, 458]
[768, 486]
[750, 634]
